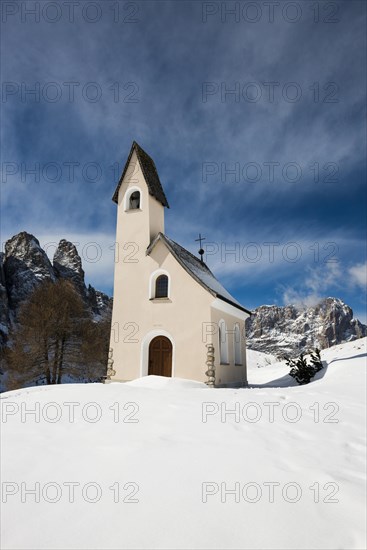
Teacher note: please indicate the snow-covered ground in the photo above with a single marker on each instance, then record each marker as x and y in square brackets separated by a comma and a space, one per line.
[259, 359]
[167, 463]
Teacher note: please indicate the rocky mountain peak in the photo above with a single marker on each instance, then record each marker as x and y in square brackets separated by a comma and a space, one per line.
[67, 262]
[2, 274]
[4, 305]
[289, 330]
[26, 247]
[25, 265]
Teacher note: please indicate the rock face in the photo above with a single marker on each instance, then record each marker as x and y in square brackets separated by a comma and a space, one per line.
[290, 330]
[4, 304]
[100, 303]
[25, 265]
[68, 264]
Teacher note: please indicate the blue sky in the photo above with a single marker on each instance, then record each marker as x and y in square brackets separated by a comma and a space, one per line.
[254, 115]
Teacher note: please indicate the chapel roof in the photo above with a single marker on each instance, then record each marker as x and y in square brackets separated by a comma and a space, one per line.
[197, 269]
[150, 174]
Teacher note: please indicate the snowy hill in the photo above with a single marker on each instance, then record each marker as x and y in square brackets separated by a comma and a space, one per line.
[147, 464]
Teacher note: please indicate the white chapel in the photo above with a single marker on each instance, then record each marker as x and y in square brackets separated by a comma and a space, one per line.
[167, 306]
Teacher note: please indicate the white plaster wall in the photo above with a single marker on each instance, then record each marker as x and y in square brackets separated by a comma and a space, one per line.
[231, 374]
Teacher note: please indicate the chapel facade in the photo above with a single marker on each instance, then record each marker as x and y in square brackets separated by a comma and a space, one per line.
[167, 305]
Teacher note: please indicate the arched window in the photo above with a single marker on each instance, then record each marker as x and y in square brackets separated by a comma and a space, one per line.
[134, 200]
[159, 284]
[161, 287]
[223, 343]
[237, 345]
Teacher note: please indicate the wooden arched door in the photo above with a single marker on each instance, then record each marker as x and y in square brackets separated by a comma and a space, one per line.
[160, 356]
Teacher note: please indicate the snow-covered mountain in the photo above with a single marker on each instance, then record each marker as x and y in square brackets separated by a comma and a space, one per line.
[24, 265]
[289, 330]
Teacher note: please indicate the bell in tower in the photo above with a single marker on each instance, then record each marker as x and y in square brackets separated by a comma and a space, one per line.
[134, 201]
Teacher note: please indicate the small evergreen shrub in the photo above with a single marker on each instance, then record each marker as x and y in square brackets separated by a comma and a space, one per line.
[301, 370]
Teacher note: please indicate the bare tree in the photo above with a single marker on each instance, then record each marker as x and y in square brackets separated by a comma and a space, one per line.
[56, 338]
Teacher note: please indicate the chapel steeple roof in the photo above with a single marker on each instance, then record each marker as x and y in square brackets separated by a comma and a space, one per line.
[150, 174]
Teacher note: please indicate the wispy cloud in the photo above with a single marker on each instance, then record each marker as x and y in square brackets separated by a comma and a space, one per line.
[358, 275]
[316, 283]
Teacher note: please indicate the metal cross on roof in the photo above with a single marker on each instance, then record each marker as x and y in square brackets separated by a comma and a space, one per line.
[201, 251]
